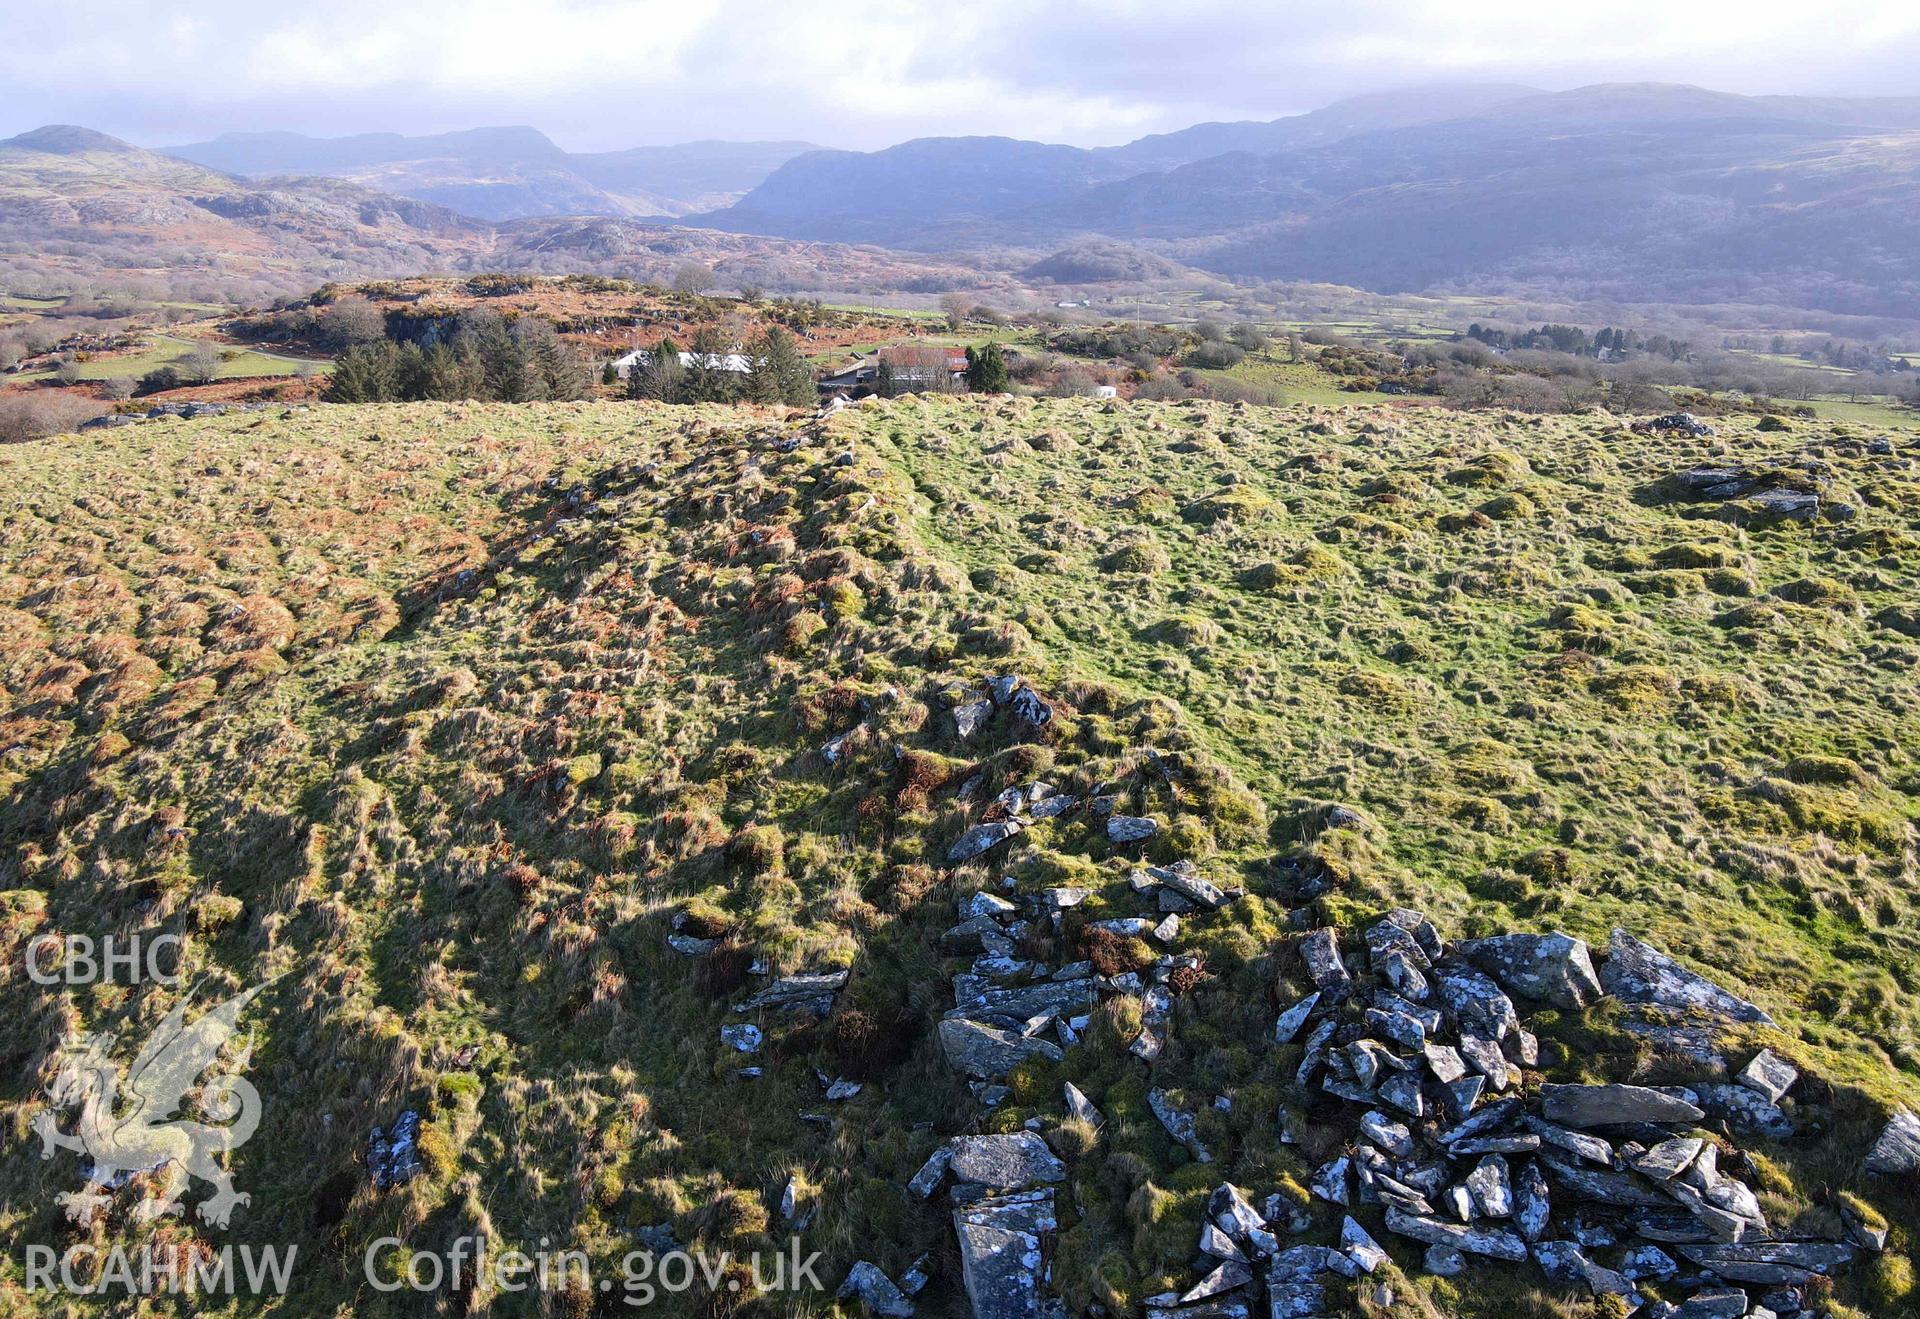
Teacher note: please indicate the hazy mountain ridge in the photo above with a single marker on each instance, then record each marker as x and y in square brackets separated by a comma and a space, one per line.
[508, 173]
[80, 202]
[1342, 119]
[1662, 192]
[1643, 193]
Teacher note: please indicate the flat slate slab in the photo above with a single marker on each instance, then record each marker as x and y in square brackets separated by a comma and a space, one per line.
[989, 1052]
[801, 992]
[1614, 1105]
[1637, 972]
[1001, 1261]
[1897, 1152]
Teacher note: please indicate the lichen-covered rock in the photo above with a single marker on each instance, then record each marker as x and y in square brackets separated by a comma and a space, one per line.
[1178, 1123]
[1770, 1262]
[1002, 1263]
[1532, 1202]
[1183, 879]
[1551, 968]
[1746, 1111]
[877, 1290]
[1495, 1242]
[1769, 1074]
[798, 993]
[1360, 1247]
[1294, 1018]
[1225, 1276]
[980, 839]
[1477, 1004]
[1024, 1002]
[1030, 710]
[1897, 1152]
[1491, 1187]
[1005, 1162]
[1640, 973]
[1079, 1107]
[1668, 1159]
[1296, 1300]
[1320, 954]
[924, 1182]
[745, 1037]
[971, 717]
[988, 1051]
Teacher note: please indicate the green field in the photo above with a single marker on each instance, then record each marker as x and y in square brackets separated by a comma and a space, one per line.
[170, 350]
[1881, 413]
[886, 313]
[1292, 382]
[444, 717]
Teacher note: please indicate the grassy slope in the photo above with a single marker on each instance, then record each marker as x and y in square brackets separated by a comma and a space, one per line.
[449, 809]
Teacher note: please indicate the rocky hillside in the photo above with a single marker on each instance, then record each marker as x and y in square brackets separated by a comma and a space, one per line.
[76, 203]
[1054, 857]
[78, 206]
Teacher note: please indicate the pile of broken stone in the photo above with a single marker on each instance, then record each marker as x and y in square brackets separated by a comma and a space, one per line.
[1602, 1187]
[1007, 1010]
[1017, 808]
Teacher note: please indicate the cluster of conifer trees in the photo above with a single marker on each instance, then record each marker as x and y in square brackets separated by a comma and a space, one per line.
[475, 355]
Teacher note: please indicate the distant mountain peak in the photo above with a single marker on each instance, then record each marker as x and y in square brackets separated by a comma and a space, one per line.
[66, 140]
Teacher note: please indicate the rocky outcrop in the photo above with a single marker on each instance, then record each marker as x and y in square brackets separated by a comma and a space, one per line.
[1008, 1011]
[1421, 1047]
[1761, 494]
[1599, 1186]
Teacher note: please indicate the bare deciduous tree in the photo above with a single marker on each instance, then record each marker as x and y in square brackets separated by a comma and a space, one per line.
[693, 277]
[352, 321]
[201, 364]
[36, 415]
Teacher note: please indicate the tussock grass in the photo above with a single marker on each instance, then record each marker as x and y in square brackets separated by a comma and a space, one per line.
[445, 713]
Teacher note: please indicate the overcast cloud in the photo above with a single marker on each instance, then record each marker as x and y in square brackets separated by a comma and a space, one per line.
[602, 74]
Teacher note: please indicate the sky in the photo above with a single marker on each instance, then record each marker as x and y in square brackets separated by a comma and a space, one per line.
[604, 74]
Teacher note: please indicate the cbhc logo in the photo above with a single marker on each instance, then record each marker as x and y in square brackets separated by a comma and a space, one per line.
[77, 959]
